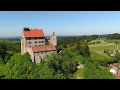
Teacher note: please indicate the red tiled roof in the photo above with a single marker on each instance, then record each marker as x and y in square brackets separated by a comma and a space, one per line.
[34, 33]
[43, 48]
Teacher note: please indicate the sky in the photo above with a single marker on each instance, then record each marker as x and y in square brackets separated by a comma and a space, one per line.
[60, 22]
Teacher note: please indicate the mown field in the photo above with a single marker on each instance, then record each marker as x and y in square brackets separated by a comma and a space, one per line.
[78, 73]
[97, 50]
[113, 41]
[97, 53]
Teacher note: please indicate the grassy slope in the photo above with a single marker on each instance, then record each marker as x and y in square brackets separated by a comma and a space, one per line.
[79, 72]
[98, 56]
[113, 41]
[97, 50]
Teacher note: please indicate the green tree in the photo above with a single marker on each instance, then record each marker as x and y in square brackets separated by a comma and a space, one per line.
[93, 70]
[116, 42]
[83, 49]
[8, 49]
[19, 67]
[3, 49]
[117, 56]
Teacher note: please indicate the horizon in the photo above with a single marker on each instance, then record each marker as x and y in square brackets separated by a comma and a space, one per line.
[2, 37]
[63, 23]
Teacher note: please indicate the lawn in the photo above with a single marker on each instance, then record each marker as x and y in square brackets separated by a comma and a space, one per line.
[97, 56]
[79, 72]
[100, 47]
[113, 41]
[97, 50]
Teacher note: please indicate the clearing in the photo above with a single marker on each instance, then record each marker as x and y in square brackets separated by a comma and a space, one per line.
[97, 50]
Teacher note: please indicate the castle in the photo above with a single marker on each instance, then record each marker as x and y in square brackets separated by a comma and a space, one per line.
[34, 42]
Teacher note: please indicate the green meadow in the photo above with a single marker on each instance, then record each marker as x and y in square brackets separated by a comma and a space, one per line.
[79, 73]
[97, 50]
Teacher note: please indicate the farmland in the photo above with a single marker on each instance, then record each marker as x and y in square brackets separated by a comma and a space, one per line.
[79, 73]
[97, 50]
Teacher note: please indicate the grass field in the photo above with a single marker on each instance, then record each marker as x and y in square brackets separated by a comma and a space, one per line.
[79, 72]
[97, 50]
[113, 41]
[101, 47]
[97, 56]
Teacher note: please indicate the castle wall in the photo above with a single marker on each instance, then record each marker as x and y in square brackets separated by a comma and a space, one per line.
[29, 49]
[23, 45]
[40, 42]
[40, 55]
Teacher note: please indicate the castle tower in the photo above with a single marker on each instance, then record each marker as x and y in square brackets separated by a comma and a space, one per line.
[23, 44]
[53, 39]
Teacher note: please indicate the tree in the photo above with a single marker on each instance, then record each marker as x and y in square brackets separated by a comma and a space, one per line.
[1, 71]
[60, 66]
[8, 49]
[3, 49]
[93, 70]
[82, 61]
[116, 42]
[83, 49]
[19, 67]
[118, 57]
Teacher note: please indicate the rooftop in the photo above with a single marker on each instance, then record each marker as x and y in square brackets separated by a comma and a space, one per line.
[43, 48]
[33, 33]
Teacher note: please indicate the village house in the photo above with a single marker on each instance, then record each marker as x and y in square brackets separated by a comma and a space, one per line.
[110, 52]
[114, 70]
[34, 42]
[80, 66]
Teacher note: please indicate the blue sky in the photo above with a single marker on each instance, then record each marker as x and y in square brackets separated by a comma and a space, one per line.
[60, 22]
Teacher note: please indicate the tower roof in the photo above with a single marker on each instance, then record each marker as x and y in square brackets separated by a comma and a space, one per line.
[33, 33]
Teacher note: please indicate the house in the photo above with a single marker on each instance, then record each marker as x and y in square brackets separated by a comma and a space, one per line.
[80, 66]
[34, 42]
[118, 50]
[110, 52]
[114, 70]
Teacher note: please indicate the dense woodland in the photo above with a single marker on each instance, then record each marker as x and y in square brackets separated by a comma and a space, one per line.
[75, 50]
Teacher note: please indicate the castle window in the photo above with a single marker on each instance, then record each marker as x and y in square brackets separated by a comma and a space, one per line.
[29, 42]
[41, 37]
[42, 41]
[39, 41]
[29, 38]
[35, 38]
[35, 41]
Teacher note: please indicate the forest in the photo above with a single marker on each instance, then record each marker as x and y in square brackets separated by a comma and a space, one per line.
[75, 50]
